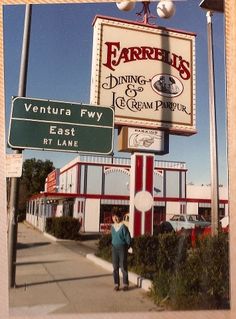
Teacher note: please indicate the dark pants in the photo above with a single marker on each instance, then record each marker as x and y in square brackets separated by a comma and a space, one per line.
[119, 259]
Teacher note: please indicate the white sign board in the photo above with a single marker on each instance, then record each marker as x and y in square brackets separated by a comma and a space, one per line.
[146, 73]
[145, 140]
[14, 163]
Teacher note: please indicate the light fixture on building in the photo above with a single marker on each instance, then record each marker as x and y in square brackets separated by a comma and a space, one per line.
[212, 5]
[126, 5]
[165, 9]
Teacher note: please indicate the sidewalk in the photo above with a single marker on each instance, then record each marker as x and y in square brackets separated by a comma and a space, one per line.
[55, 277]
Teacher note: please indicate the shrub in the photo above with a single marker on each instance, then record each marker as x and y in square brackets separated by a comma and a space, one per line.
[172, 251]
[171, 256]
[21, 215]
[185, 291]
[63, 227]
[183, 278]
[213, 254]
[198, 280]
[104, 247]
[49, 225]
[144, 258]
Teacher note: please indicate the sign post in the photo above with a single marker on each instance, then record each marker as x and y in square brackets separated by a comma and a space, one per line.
[14, 190]
[141, 194]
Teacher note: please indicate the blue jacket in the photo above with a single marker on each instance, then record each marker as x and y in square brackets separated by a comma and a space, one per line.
[120, 236]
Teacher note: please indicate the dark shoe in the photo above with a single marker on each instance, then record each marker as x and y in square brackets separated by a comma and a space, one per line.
[125, 288]
[116, 288]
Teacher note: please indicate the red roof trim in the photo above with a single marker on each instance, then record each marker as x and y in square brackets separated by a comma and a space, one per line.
[47, 194]
[123, 197]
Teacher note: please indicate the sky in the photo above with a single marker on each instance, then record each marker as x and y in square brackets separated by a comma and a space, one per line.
[60, 69]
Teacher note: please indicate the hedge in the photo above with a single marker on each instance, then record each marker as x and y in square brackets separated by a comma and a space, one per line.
[63, 227]
[183, 278]
[201, 281]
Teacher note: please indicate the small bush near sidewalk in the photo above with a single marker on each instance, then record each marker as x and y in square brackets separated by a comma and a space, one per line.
[200, 280]
[184, 278]
[63, 227]
[143, 261]
[104, 247]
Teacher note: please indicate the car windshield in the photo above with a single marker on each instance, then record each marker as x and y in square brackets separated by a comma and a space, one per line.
[195, 218]
[175, 217]
[189, 218]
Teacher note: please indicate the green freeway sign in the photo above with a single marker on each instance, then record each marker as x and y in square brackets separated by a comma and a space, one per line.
[61, 126]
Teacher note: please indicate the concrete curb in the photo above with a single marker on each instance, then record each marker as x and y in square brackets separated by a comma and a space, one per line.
[49, 236]
[140, 282]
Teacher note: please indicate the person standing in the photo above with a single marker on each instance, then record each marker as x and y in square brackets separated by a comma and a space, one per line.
[121, 241]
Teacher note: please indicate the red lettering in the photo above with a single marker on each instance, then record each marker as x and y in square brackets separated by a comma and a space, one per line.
[115, 56]
[135, 53]
[174, 60]
[148, 53]
[124, 55]
[159, 54]
[184, 70]
[112, 48]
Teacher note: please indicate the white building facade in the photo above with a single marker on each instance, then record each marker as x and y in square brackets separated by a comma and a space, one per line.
[89, 187]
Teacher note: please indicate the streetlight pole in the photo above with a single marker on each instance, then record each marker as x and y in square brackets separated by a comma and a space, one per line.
[212, 6]
[13, 205]
[213, 131]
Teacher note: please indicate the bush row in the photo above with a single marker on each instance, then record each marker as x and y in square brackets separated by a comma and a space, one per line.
[184, 278]
[198, 279]
[63, 227]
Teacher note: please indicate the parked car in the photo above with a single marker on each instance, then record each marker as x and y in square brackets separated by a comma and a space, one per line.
[224, 226]
[184, 221]
[224, 222]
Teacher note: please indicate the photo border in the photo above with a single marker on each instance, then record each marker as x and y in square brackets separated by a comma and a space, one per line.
[230, 53]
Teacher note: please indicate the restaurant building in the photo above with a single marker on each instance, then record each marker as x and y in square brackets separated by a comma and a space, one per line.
[89, 187]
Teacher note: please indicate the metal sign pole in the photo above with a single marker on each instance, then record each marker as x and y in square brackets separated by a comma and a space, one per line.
[13, 206]
[213, 133]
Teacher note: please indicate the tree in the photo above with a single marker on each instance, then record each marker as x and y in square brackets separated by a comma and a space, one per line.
[33, 178]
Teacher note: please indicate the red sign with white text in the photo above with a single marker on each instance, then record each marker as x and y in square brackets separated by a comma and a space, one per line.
[52, 181]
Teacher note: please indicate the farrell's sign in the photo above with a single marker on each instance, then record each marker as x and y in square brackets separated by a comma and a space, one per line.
[146, 73]
[116, 55]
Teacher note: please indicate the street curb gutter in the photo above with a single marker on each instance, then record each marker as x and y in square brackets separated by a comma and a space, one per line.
[143, 283]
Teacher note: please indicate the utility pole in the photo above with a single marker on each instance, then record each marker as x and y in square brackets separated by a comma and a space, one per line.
[213, 133]
[212, 6]
[14, 193]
